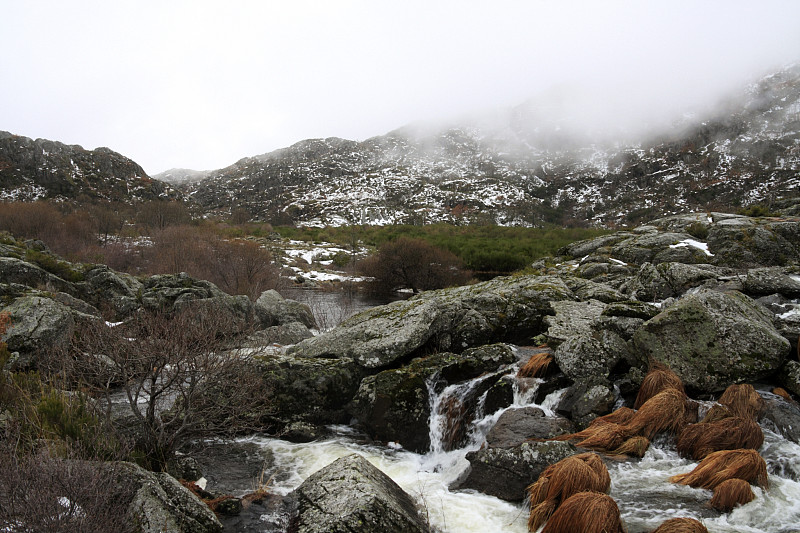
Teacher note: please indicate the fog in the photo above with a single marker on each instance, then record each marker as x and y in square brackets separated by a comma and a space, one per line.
[200, 84]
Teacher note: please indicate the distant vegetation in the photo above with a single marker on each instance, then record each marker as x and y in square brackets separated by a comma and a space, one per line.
[483, 249]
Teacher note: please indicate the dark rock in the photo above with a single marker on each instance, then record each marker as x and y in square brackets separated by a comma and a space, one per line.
[712, 339]
[631, 309]
[272, 309]
[763, 281]
[784, 414]
[352, 496]
[790, 377]
[585, 400]
[301, 432]
[394, 405]
[506, 472]
[315, 391]
[515, 426]
[500, 395]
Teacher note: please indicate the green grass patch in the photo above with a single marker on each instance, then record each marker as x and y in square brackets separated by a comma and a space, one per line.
[495, 249]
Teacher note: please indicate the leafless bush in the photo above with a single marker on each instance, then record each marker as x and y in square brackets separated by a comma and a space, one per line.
[45, 492]
[178, 381]
[413, 264]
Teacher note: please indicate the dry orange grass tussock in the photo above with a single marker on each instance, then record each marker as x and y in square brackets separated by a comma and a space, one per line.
[743, 400]
[658, 378]
[586, 512]
[731, 493]
[538, 366]
[666, 411]
[633, 447]
[559, 481]
[716, 413]
[783, 393]
[620, 416]
[681, 525]
[733, 433]
[723, 465]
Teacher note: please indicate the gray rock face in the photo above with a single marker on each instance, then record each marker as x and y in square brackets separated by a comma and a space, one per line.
[591, 354]
[272, 309]
[503, 309]
[712, 339]
[162, 505]
[743, 244]
[763, 281]
[284, 335]
[506, 472]
[315, 391]
[115, 289]
[656, 282]
[352, 496]
[571, 319]
[14, 270]
[515, 426]
[37, 323]
[587, 399]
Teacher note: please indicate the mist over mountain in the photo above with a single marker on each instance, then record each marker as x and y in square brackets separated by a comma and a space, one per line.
[543, 161]
[528, 165]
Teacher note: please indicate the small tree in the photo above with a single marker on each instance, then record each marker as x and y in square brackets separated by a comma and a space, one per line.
[413, 264]
[178, 379]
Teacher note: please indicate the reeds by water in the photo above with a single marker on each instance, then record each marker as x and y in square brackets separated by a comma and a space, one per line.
[586, 512]
[723, 465]
[681, 525]
[730, 494]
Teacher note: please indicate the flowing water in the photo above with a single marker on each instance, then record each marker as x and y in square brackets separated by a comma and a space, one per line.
[640, 487]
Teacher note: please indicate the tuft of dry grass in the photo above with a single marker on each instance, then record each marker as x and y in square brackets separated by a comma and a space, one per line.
[599, 424]
[605, 437]
[658, 378]
[681, 525]
[586, 512]
[783, 393]
[732, 433]
[731, 493]
[716, 413]
[634, 447]
[538, 366]
[743, 400]
[723, 465]
[559, 481]
[664, 412]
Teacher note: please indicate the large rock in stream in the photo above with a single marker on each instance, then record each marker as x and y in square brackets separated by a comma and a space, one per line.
[712, 339]
[504, 309]
[352, 496]
[395, 405]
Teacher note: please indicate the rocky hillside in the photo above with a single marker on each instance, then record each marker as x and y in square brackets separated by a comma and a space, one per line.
[524, 169]
[32, 169]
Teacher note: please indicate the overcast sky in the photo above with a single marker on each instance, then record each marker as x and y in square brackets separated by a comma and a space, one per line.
[201, 84]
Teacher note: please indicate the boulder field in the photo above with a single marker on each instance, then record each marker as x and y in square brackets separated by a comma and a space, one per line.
[711, 295]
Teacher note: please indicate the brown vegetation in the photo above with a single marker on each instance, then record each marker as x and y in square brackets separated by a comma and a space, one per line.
[681, 525]
[586, 512]
[634, 447]
[731, 493]
[577, 473]
[538, 366]
[175, 371]
[699, 440]
[783, 393]
[666, 411]
[413, 264]
[716, 413]
[658, 378]
[743, 400]
[723, 465]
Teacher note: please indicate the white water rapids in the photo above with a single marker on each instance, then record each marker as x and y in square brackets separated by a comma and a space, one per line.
[640, 487]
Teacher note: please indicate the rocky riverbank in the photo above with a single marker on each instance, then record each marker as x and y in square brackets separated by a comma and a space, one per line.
[711, 295]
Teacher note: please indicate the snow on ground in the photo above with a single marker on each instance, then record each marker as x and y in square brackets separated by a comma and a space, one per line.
[694, 244]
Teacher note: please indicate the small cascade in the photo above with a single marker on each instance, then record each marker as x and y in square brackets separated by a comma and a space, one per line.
[449, 410]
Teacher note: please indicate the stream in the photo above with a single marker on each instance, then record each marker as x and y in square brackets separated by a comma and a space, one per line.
[640, 486]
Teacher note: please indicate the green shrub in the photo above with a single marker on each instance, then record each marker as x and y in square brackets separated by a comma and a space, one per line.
[52, 264]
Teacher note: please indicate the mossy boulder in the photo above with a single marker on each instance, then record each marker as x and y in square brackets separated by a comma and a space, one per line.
[351, 495]
[712, 339]
[510, 309]
[272, 309]
[37, 323]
